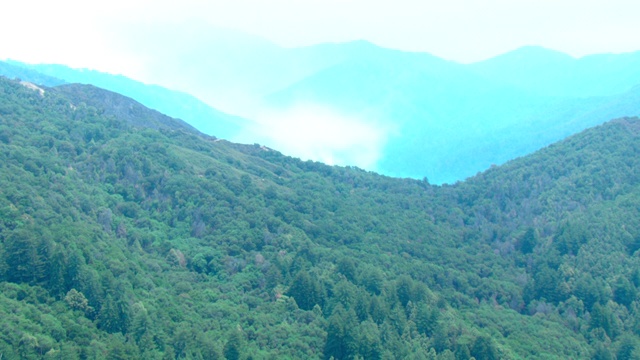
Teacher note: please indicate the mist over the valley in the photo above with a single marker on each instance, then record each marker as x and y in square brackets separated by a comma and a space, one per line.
[402, 114]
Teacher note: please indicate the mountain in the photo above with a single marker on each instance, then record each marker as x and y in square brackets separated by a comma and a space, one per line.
[228, 69]
[549, 72]
[125, 234]
[118, 106]
[12, 71]
[402, 114]
[451, 120]
[177, 104]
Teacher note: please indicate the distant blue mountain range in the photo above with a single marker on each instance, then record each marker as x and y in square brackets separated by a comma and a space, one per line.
[455, 120]
[450, 120]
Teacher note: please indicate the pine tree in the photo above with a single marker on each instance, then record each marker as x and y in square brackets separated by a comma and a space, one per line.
[483, 349]
[306, 291]
[233, 348]
[528, 241]
[25, 263]
[626, 348]
[341, 343]
[113, 315]
[426, 319]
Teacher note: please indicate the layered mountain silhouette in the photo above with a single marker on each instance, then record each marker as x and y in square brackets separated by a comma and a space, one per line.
[433, 118]
[453, 120]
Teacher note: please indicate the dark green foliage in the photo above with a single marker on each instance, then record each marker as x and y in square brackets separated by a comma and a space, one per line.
[570, 238]
[369, 341]
[601, 352]
[372, 279]
[483, 349]
[347, 267]
[113, 315]
[128, 241]
[547, 284]
[626, 348]
[528, 241]
[426, 319]
[307, 291]
[624, 292]
[26, 256]
[462, 352]
[408, 290]
[602, 317]
[234, 345]
[341, 336]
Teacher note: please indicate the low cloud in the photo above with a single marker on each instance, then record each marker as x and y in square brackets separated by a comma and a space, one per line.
[312, 132]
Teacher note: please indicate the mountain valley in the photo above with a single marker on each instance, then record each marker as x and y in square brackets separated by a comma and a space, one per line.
[128, 234]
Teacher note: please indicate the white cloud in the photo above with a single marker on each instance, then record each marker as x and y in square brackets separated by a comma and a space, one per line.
[312, 132]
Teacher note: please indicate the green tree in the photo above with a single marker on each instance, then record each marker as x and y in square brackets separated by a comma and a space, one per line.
[484, 349]
[601, 317]
[113, 315]
[426, 319]
[570, 238]
[601, 352]
[56, 271]
[341, 332]
[347, 267]
[24, 256]
[547, 284]
[368, 339]
[624, 292]
[234, 345]
[405, 289]
[372, 279]
[626, 348]
[528, 241]
[307, 291]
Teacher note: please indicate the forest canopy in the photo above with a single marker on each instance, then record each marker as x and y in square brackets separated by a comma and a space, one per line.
[129, 235]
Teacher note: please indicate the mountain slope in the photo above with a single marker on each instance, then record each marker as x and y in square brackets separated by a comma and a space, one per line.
[121, 107]
[122, 241]
[449, 125]
[399, 113]
[451, 121]
[180, 105]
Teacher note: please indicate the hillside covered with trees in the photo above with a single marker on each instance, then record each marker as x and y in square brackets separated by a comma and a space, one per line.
[125, 234]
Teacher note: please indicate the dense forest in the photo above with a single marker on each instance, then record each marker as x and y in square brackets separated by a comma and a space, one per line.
[126, 234]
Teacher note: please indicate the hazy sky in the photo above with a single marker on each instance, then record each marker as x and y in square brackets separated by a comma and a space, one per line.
[138, 38]
[82, 33]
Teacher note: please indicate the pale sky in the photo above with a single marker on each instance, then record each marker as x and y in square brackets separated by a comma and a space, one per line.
[81, 33]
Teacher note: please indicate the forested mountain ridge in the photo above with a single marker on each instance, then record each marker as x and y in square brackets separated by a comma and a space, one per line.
[120, 240]
[174, 103]
[418, 115]
[121, 107]
[451, 120]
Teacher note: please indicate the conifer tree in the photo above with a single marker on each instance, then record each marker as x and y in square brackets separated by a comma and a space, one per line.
[233, 347]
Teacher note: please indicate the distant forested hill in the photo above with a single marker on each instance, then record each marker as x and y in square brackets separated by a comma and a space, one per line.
[452, 120]
[123, 239]
[177, 104]
[420, 116]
